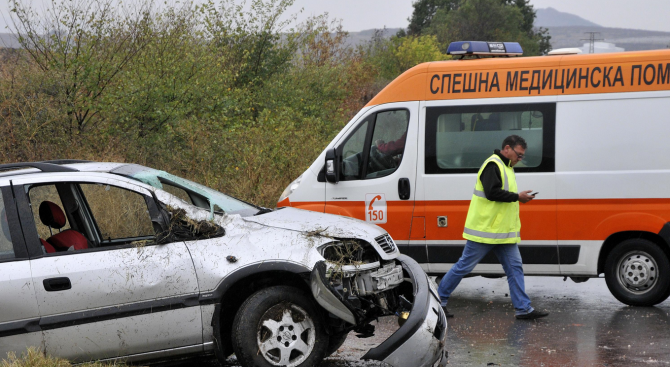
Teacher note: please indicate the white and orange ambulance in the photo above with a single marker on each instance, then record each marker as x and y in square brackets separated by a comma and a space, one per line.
[598, 134]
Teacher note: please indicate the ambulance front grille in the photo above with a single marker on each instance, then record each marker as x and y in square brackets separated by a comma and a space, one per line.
[386, 243]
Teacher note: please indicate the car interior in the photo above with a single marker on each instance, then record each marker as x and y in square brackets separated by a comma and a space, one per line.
[81, 216]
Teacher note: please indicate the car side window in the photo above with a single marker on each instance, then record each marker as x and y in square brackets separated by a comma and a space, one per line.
[118, 213]
[6, 245]
[388, 143]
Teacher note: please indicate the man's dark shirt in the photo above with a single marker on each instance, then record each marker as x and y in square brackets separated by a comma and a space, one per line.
[492, 182]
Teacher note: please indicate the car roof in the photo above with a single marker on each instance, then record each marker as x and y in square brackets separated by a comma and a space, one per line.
[19, 169]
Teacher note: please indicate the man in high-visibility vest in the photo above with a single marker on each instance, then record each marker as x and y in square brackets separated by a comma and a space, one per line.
[493, 224]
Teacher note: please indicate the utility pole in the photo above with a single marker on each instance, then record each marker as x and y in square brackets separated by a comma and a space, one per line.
[592, 40]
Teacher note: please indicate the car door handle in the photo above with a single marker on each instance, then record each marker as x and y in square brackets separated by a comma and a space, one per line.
[57, 284]
[403, 188]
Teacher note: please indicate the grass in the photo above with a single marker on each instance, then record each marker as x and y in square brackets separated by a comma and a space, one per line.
[35, 358]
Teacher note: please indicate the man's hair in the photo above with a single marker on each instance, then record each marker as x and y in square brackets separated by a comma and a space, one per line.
[513, 141]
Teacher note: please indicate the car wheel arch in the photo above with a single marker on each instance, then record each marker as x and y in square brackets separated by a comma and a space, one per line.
[233, 290]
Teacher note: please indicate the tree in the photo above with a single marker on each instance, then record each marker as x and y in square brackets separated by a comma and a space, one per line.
[541, 35]
[414, 50]
[83, 46]
[515, 22]
[424, 10]
[391, 57]
[477, 20]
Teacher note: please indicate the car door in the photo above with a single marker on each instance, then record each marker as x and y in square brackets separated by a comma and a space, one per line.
[116, 293]
[19, 315]
[378, 172]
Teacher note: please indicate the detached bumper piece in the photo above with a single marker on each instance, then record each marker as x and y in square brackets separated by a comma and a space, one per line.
[329, 298]
[420, 340]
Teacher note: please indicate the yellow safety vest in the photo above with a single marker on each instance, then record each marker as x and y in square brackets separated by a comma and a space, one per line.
[492, 221]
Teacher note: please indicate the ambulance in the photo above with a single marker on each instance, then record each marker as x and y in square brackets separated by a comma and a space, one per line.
[598, 133]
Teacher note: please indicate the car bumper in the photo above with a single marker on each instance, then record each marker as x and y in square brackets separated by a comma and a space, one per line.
[419, 341]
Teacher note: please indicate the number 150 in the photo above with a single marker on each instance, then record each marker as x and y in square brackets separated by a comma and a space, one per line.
[375, 215]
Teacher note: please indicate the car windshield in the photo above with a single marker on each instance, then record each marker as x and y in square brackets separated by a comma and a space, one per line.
[195, 193]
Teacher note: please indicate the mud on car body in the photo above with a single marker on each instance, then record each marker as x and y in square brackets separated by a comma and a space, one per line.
[112, 260]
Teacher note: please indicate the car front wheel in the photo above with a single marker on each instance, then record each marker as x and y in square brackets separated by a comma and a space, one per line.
[637, 272]
[279, 326]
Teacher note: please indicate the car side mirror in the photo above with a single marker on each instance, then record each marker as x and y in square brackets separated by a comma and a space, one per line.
[333, 165]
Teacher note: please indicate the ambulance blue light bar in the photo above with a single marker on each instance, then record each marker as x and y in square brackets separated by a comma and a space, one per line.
[485, 48]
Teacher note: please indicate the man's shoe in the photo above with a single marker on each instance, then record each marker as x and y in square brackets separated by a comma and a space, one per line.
[533, 315]
[447, 314]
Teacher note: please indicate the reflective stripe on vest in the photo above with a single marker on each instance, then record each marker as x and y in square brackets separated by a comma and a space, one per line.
[481, 194]
[495, 236]
[506, 185]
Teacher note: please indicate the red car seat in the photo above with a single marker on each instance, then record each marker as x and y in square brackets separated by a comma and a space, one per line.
[47, 246]
[52, 216]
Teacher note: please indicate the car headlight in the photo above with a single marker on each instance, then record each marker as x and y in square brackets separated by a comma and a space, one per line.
[290, 188]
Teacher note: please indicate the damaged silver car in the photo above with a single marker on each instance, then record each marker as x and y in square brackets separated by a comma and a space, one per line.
[105, 261]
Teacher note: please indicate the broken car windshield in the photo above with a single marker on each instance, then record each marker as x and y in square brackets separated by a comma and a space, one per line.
[217, 201]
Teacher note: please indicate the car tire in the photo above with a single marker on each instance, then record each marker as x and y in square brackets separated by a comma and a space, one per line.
[336, 341]
[279, 326]
[637, 273]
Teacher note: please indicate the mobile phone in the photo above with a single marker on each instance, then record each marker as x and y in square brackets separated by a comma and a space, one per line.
[535, 193]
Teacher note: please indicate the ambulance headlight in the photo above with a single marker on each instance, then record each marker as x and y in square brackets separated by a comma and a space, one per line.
[290, 188]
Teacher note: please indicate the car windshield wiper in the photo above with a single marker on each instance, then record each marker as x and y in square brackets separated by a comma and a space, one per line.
[264, 211]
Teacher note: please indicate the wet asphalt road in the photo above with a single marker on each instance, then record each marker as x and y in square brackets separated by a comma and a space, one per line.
[587, 327]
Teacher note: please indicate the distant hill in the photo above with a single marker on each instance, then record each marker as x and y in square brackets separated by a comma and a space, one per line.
[569, 30]
[561, 36]
[356, 38]
[571, 36]
[629, 39]
[551, 17]
[8, 40]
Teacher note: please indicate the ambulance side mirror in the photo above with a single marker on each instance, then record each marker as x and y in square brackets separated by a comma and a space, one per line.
[332, 166]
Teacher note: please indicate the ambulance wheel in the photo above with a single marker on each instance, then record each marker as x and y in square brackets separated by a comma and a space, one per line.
[637, 272]
[279, 326]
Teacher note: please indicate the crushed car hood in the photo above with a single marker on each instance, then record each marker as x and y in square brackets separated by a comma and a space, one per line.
[327, 225]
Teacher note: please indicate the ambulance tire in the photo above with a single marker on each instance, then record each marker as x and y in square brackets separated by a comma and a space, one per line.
[279, 325]
[637, 273]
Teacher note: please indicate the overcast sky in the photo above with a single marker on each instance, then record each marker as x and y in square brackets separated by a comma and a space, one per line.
[357, 15]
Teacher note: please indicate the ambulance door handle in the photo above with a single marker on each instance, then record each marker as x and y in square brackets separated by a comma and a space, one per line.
[403, 188]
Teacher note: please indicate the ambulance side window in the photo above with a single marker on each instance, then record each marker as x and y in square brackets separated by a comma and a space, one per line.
[388, 143]
[375, 148]
[352, 153]
[459, 139]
